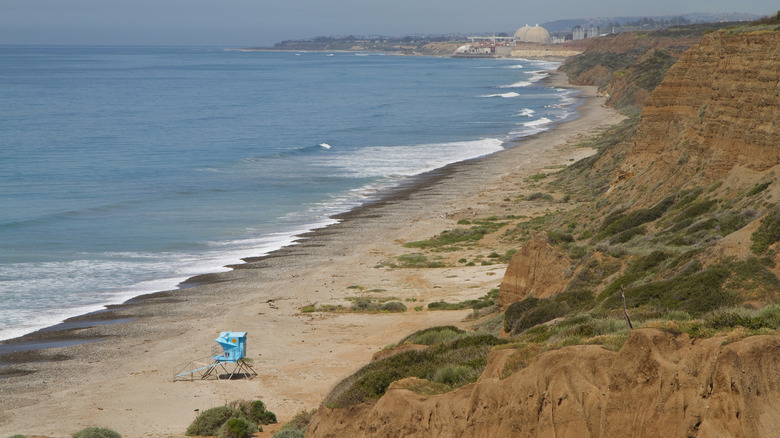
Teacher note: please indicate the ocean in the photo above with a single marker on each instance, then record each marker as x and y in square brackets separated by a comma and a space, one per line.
[126, 170]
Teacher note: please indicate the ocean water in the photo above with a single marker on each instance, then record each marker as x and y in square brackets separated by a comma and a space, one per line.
[126, 170]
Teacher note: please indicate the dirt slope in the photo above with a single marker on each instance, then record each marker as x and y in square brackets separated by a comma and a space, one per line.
[658, 384]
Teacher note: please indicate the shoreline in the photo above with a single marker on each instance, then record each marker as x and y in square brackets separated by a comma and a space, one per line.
[122, 380]
[59, 332]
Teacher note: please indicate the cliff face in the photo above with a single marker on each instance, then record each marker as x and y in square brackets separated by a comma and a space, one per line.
[658, 384]
[537, 268]
[716, 111]
[716, 114]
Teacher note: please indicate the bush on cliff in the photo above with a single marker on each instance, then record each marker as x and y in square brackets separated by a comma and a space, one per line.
[768, 233]
[531, 311]
[457, 361]
[296, 428]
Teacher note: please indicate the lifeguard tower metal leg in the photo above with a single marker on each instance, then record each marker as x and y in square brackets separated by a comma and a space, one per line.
[233, 351]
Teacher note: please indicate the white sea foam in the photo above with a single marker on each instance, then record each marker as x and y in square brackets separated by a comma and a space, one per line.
[539, 122]
[515, 66]
[526, 112]
[510, 94]
[383, 161]
[537, 76]
[519, 84]
[325, 146]
[532, 127]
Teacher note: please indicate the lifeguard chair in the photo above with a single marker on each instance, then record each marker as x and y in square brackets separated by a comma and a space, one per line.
[233, 346]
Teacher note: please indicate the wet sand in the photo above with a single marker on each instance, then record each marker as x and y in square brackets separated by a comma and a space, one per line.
[114, 368]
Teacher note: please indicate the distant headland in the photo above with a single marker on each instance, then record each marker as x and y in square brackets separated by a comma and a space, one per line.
[554, 39]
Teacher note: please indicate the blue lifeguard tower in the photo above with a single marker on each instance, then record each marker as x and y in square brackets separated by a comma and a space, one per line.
[233, 345]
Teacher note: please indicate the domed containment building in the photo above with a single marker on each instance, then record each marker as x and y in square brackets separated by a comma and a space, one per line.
[536, 34]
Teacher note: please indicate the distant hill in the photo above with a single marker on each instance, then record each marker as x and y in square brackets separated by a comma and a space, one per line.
[567, 24]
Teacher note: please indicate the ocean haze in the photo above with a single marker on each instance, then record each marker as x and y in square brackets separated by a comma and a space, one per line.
[250, 23]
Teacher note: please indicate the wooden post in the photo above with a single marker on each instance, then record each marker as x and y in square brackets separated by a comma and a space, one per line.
[625, 312]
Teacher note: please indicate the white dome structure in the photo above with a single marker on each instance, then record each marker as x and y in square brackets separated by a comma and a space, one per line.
[536, 34]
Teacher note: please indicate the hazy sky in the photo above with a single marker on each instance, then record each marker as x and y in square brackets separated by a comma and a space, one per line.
[264, 22]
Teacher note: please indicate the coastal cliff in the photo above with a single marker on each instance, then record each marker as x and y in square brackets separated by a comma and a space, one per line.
[716, 112]
[659, 384]
[679, 218]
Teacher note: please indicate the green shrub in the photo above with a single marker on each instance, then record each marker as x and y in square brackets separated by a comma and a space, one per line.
[677, 315]
[758, 188]
[531, 311]
[767, 233]
[516, 311]
[433, 335]
[259, 414]
[618, 222]
[208, 422]
[371, 381]
[454, 375]
[393, 307]
[556, 238]
[539, 196]
[480, 303]
[637, 270]
[443, 305]
[732, 221]
[696, 293]
[450, 237]
[296, 428]
[696, 209]
[733, 317]
[627, 235]
[96, 432]
[236, 428]
[417, 260]
[363, 304]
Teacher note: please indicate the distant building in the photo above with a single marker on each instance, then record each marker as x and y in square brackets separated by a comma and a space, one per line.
[536, 34]
[577, 33]
[483, 46]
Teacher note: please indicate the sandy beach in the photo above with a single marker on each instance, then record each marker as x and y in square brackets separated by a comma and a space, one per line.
[122, 378]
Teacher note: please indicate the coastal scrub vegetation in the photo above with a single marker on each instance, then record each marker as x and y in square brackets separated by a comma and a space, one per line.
[364, 304]
[478, 229]
[96, 432]
[486, 301]
[238, 419]
[454, 358]
[296, 428]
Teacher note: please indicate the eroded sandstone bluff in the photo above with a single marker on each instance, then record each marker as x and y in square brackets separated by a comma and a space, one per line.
[659, 384]
[716, 113]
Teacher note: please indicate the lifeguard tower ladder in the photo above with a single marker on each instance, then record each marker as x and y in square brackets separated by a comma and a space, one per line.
[233, 351]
